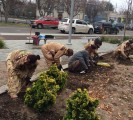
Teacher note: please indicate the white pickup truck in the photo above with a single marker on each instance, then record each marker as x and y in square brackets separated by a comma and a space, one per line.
[78, 26]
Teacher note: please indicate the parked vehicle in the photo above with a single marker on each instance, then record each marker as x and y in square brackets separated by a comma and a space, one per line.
[105, 27]
[129, 27]
[120, 26]
[45, 22]
[78, 26]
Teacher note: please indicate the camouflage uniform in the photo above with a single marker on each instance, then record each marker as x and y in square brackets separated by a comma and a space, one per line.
[17, 71]
[123, 50]
[91, 51]
[52, 52]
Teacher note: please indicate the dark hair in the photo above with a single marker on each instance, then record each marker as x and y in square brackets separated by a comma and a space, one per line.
[69, 52]
[130, 41]
[33, 58]
[37, 33]
[98, 41]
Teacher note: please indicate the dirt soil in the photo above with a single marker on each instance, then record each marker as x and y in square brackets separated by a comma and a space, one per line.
[112, 86]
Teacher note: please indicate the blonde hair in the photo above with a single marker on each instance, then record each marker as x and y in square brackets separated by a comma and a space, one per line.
[88, 45]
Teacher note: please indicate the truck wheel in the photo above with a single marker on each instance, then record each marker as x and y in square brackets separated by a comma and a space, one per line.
[73, 30]
[116, 32]
[39, 26]
[90, 31]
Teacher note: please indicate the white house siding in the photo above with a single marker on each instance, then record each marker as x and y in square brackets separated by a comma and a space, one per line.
[115, 16]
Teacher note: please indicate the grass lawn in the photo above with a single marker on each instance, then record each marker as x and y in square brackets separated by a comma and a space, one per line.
[14, 24]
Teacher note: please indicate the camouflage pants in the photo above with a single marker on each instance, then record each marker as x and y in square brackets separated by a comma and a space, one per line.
[14, 82]
[119, 55]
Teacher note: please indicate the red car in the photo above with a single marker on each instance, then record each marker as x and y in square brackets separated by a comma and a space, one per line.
[129, 27]
[45, 22]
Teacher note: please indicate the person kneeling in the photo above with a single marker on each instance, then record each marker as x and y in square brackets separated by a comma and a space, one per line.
[123, 50]
[80, 62]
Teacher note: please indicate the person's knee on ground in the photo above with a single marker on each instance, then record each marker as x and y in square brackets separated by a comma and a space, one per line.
[73, 67]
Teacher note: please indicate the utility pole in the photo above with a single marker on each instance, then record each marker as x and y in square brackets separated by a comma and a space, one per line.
[71, 18]
[1, 10]
[129, 3]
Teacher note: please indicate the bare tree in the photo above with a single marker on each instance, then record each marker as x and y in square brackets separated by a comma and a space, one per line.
[78, 4]
[6, 6]
[10, 6]
[45, 7]
[92, 9]
[95, 7]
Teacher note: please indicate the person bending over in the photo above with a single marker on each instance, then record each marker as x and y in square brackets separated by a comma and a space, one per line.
[53, 51]
[21, 65]
[123, 50]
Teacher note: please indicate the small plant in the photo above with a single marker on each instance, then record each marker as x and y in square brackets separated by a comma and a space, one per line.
[42, 94]
[81, 107]
[59, 76]
[2, 44]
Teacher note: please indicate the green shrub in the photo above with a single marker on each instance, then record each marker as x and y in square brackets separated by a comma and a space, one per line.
[81, 107]
[59, 76]
[42, 94]
[110, 40]
[2, 44]
[127, 38]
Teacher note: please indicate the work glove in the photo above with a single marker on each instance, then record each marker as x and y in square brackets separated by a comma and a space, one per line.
[59, 67]
[28, 80]
[96, 58]
[128, 58]
[92, 63]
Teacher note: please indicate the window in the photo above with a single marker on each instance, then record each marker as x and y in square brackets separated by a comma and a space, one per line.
[78, 22]
[84, 23]
[72, 21]
[64, 20]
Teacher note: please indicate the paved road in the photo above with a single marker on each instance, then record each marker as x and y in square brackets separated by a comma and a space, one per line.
[21, 33]
[11, 29]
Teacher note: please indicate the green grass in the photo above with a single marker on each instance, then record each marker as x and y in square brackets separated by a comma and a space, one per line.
[14, 24]
[111, 40]
[127, 38]
[115, 40]
[2, 44]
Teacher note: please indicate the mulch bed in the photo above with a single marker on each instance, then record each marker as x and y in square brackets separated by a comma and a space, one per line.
[100, 83]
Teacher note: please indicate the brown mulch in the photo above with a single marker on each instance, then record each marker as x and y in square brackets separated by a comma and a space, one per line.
[112, 86]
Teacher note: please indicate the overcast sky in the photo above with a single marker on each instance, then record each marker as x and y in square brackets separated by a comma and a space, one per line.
[119, 4]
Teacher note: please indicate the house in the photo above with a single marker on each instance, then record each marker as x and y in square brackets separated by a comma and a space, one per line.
[115, 16]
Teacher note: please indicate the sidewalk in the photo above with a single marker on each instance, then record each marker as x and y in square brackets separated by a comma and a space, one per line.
[77, 45]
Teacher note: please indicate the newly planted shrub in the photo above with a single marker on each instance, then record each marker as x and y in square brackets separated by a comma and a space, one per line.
[42, 94]
[59, 76]
[2, 44]
[81, 107]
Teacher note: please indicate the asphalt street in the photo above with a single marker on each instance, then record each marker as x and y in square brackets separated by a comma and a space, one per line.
[21, 33]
